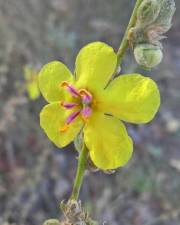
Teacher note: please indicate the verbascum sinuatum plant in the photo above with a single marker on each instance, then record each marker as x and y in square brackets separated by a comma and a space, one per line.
[89, 107]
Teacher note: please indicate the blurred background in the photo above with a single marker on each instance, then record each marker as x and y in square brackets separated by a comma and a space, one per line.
[34, 175]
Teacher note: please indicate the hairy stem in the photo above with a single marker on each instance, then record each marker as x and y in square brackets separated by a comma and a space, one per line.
[80, 173]
[124, 44]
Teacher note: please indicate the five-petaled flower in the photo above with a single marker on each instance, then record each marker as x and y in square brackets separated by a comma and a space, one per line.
[91, 103]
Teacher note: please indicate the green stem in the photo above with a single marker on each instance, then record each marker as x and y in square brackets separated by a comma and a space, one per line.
[124, 43]
[83, 155]
[80, 173]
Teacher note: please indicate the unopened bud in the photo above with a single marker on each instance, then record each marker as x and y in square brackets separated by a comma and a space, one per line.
[51, 222]
[148, 55]
[167, 10]
[74, 214]
[154, 19]
[147, 12]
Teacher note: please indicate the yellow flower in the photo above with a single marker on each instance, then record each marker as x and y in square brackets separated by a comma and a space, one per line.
[85, 102]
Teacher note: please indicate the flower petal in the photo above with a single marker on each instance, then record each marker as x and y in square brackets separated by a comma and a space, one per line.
[50, 78]
[95, 64]
[53, 118]
[132, 98]
[108, 142]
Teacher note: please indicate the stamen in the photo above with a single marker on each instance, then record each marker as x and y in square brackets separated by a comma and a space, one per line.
[70, 88]
[69, 120]
[68, 105]
[85, 95]
[85, 98]
[72, 116]
[86, 113]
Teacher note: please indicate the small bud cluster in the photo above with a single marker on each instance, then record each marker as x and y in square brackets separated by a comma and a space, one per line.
[153, 21]
[74, 214]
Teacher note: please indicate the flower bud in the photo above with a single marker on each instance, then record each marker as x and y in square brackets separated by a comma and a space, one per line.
[74, 213]
[147, 12]
[148, 55]
[154, 19]
[167, 10]
[51, 222]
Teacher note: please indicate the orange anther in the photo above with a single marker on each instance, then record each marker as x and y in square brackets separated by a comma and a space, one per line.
[84, 92]
[64, 84]
[64, 128]
[62, 103]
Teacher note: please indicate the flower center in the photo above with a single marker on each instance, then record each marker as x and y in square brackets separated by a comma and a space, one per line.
[81, 104]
